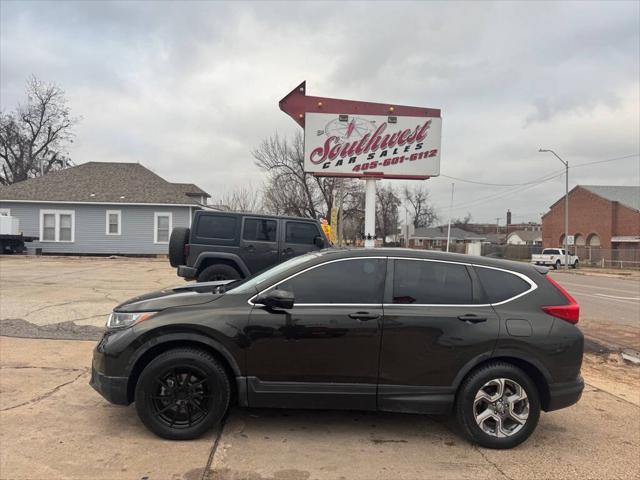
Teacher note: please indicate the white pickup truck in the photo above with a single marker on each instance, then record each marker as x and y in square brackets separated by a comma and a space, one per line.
[554, 257]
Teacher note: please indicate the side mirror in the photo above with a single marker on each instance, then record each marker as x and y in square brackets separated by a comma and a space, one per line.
[318, 241]
[276, 299]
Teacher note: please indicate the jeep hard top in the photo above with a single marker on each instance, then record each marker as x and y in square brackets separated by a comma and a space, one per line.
[225, 246]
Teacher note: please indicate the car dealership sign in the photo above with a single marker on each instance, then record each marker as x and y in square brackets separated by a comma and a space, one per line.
[351, 138]
[388, 146]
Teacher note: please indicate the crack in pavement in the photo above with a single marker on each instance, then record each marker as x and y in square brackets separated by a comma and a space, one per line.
[62, 369]
[47, 394]
[494, 464]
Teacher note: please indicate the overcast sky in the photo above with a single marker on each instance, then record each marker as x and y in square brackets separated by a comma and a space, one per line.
[190, 88]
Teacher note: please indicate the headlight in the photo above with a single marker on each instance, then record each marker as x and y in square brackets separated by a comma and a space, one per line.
[123, 320]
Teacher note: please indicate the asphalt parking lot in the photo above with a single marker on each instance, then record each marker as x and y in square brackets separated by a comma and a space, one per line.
[53, 425]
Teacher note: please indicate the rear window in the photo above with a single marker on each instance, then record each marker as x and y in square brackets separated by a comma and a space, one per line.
[217, 226]
[432, 283]
[300, 232]
[499, 285]
[550, 251]
[259, 229]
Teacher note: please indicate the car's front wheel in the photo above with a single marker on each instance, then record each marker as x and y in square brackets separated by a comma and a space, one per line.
[182, 393]
[498, 406]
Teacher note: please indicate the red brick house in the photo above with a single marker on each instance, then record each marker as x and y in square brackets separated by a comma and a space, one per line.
[599, 216]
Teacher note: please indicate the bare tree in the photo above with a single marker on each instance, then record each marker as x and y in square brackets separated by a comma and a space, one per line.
[34, 137]
[387, 211]
[422, 212]
[242, 199]
[462, 222]
[289, 190]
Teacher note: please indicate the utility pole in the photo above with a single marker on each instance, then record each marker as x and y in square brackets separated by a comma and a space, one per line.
[450, 213]
[498, 225]
[566, 207]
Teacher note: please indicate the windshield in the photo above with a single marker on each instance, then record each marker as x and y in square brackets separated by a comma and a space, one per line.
[251, 284]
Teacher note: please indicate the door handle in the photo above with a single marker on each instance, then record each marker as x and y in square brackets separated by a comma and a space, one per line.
[287, 251]
[472, 318]
[363, 316]
[250, 248]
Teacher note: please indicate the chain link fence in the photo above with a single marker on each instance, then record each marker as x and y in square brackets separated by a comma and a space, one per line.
[625, 258]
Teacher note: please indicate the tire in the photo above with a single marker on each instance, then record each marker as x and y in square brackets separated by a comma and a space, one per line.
[218, 271]
[575, 264]
[205, 398]
[179, 237]
[557, 265]
[468, 406]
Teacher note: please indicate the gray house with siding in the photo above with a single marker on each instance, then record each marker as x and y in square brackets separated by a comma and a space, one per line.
[101, 208]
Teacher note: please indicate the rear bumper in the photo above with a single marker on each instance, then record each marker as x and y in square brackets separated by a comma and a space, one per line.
[114, 389]
[562, 395]
[187, 272]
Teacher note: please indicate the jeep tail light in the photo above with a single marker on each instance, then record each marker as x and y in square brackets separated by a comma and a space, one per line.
[569, 312]
[186, 251]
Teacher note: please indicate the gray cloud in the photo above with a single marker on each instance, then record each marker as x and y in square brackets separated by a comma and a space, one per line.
[190, 88]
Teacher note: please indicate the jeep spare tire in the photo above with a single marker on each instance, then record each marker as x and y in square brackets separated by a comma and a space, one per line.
[179, 238]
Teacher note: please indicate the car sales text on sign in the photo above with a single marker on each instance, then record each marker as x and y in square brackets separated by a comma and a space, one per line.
[363, 145]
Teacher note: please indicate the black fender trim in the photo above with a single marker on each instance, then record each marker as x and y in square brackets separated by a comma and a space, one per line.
[222, 256]
[164, 338]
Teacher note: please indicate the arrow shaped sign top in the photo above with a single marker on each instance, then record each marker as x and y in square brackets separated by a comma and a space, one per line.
[297, 103]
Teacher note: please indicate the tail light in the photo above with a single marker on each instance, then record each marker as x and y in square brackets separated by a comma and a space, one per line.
[569, 312]
[186, 250]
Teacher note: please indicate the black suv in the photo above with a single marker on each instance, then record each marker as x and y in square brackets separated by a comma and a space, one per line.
[371, 329]
[230, 246]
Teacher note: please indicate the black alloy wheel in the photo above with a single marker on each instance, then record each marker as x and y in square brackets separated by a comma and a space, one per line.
[182, 393]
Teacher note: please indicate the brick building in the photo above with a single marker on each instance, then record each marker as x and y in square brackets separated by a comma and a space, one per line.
[599, 216]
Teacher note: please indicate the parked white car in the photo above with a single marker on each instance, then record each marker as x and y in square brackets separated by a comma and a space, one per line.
[554, 257]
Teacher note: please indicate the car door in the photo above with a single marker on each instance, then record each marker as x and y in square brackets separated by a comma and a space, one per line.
[434, 325]
[324, 351]
[259, 243]
[298, 238]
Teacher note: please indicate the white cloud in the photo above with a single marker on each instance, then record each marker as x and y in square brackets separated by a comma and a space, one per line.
[190, 88]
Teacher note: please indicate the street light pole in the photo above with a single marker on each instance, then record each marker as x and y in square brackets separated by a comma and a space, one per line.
[566, 206]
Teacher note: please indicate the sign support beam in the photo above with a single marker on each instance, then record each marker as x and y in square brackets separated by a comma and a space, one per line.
[370, 213]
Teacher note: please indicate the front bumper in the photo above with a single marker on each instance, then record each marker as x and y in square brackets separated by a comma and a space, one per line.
[187, 272]
[114, 389]
[562, 395]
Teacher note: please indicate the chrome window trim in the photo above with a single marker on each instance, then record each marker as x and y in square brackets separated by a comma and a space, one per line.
[250, 301]
[532, 286]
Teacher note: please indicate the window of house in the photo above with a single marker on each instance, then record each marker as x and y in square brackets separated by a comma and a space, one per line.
[322, 284]
[301, 232]
[431, 283]
[259, 229]
[114, 222]
[57, 225]
[162, 227]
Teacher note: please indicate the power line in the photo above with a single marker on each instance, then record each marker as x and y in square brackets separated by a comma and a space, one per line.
[534, 181]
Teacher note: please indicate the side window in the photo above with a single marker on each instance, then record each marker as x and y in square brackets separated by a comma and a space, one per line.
[499, 285]
[347, 281]
[217, 226]
[301, 232]
[259, 229]
[432, 283]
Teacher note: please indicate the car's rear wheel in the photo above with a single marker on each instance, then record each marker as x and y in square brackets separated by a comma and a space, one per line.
[182, 393]
[218, 271]
[557, 265]
[498, 406]
[575, 264]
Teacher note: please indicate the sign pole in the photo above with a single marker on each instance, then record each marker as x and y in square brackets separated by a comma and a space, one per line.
[370, 213]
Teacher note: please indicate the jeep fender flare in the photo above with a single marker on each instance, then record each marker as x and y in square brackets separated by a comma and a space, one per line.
[230, 257]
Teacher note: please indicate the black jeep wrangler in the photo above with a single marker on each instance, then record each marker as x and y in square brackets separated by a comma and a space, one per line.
[225, 246]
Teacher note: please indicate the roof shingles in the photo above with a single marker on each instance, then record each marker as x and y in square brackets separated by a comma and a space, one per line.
[101, 182]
